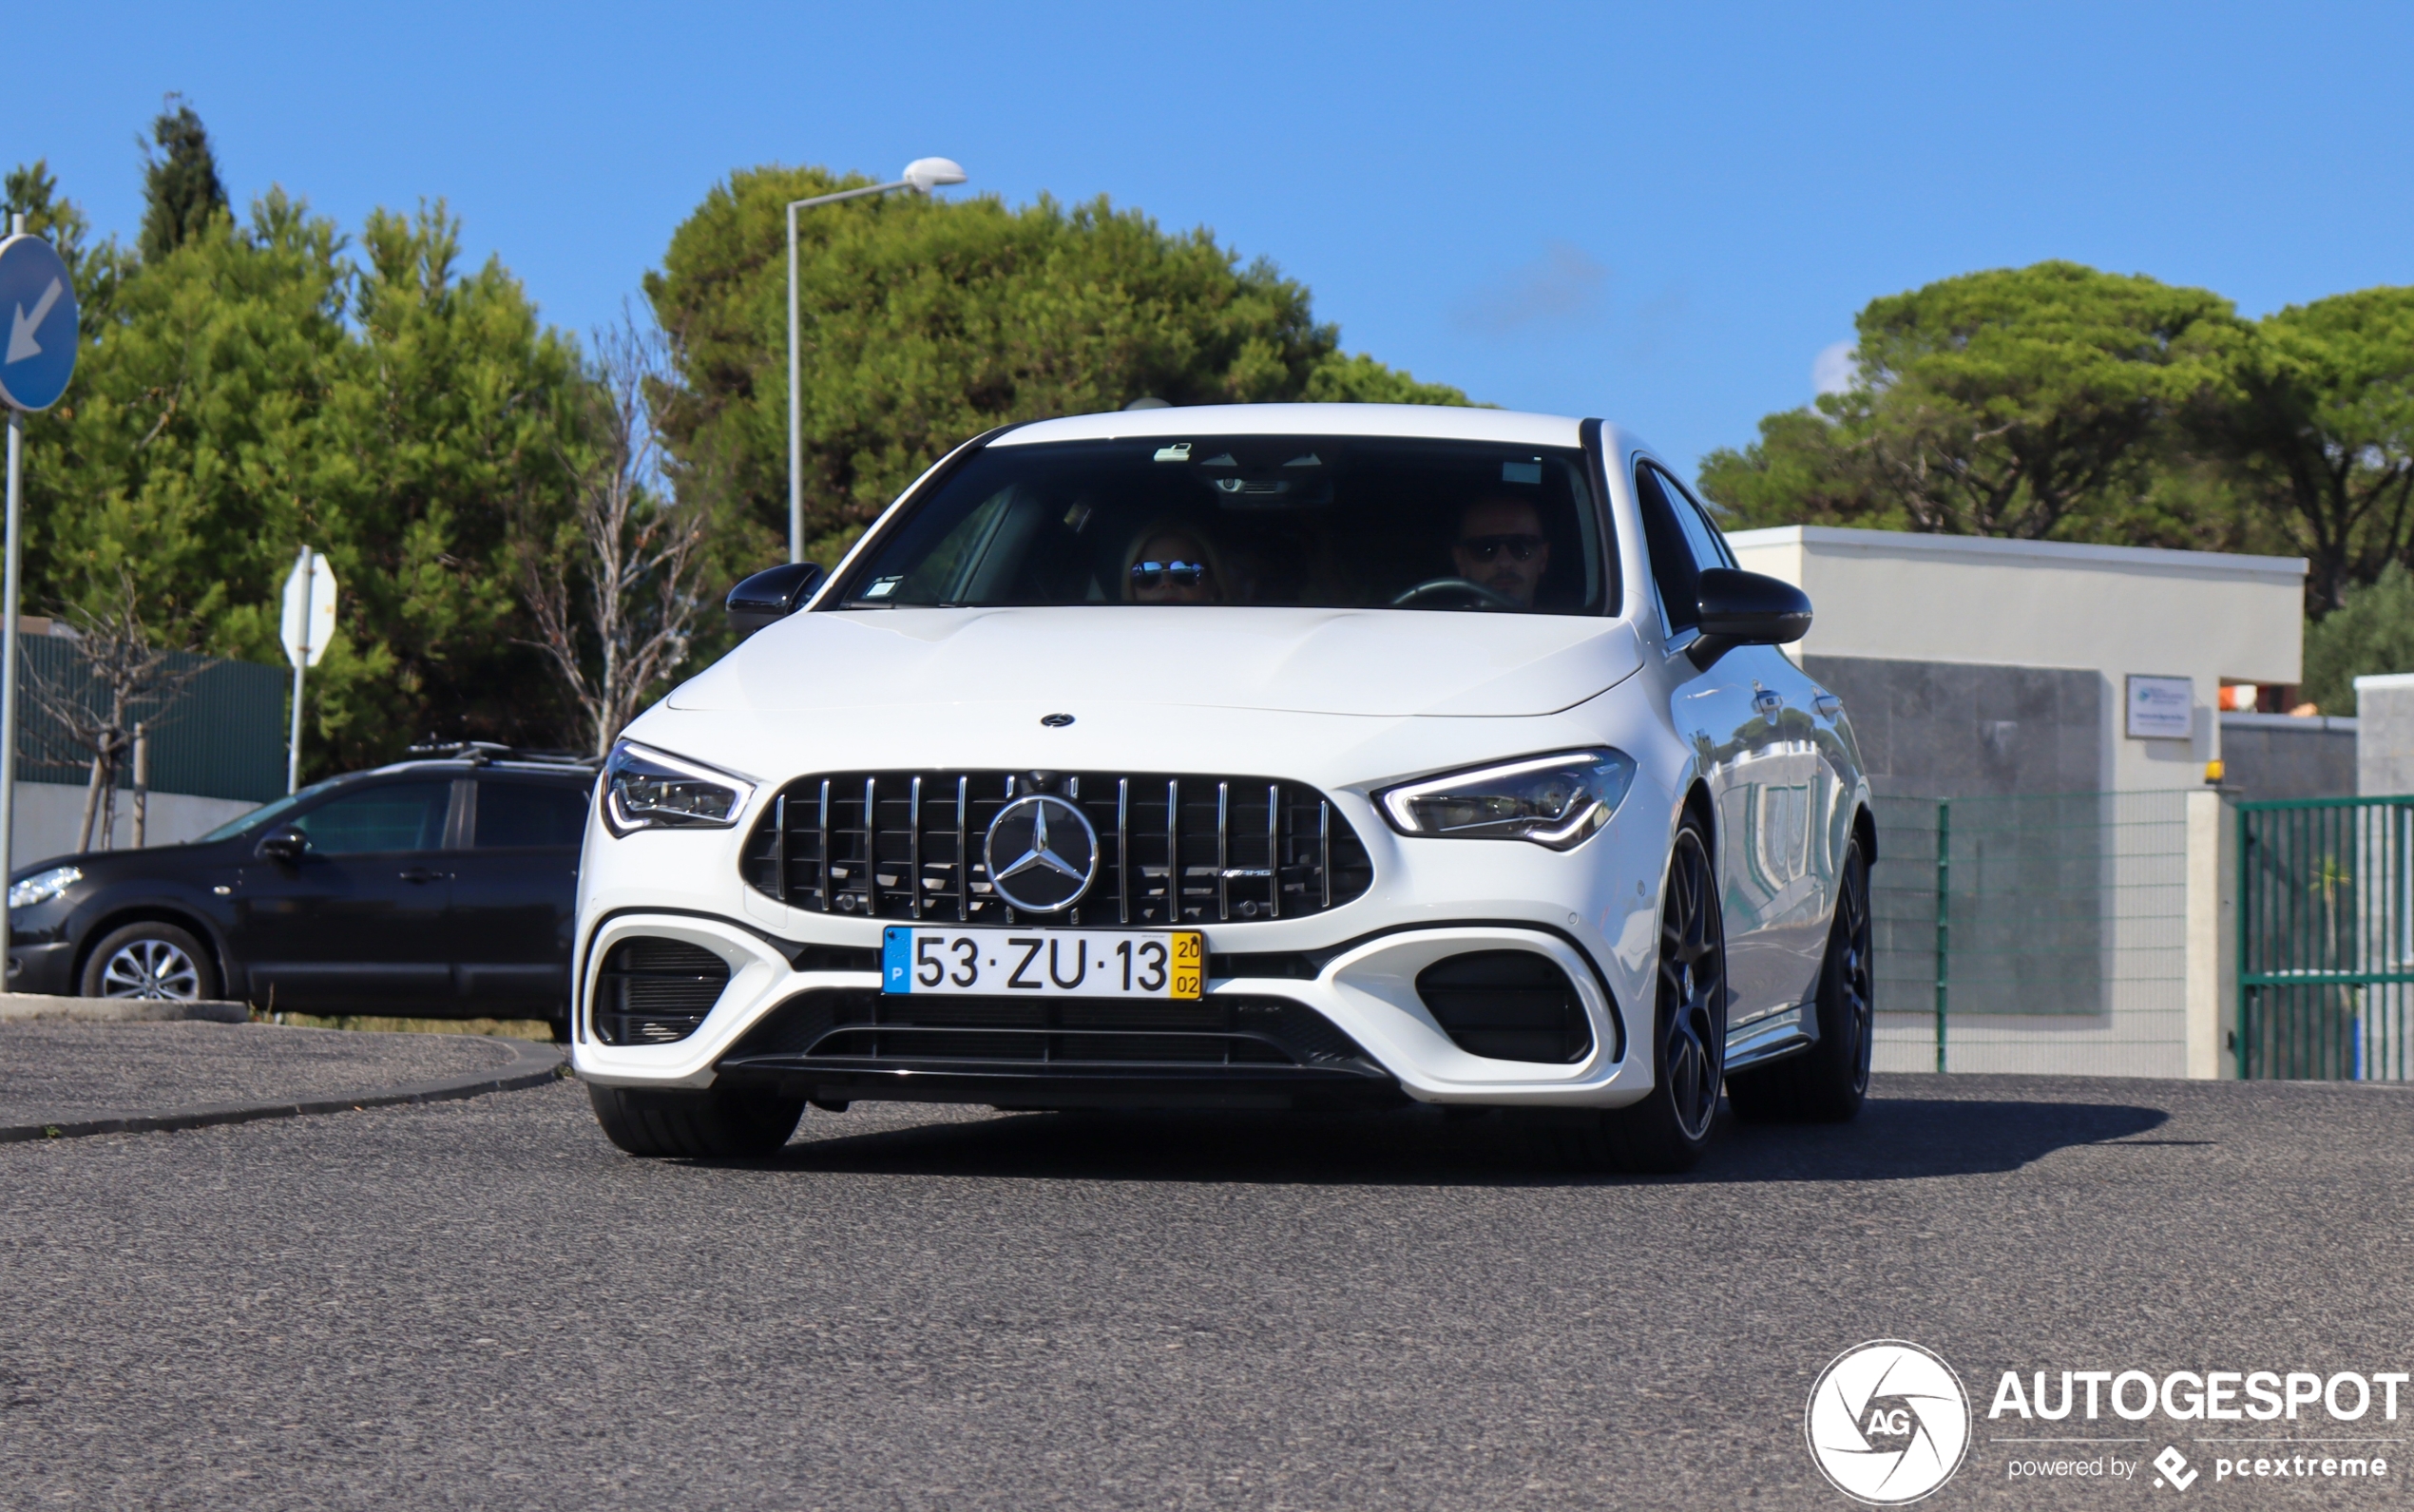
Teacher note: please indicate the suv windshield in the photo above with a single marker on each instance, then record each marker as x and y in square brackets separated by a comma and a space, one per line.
[1326, 521]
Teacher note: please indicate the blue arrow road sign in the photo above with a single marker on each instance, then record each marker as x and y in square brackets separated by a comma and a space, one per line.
[37, 323]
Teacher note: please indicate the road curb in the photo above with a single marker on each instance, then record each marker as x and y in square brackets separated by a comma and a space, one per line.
[531, 1064]
[34, 1007]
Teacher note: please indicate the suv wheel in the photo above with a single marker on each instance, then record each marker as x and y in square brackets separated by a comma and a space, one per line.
[1827, 1082]
[715, 1123]
[1666, 1132]
[149, 960]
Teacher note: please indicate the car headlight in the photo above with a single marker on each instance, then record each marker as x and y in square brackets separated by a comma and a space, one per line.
[1556, 800]
[644, 788]
[42, 887]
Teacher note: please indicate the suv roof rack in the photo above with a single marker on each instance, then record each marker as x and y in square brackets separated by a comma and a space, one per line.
[479, 752]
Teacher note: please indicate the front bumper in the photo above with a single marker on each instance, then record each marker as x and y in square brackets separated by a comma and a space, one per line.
[43, 967]
[1379, 1041]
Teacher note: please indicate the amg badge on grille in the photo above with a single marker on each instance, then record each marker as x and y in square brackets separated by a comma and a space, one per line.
[1042, 854]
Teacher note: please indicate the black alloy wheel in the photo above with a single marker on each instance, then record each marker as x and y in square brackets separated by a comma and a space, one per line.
[1667, 1131]
[1827, 1083]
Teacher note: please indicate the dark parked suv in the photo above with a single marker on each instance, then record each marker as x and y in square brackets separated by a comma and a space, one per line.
[441, 887]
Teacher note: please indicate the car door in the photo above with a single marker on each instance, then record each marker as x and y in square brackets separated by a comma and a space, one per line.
[1784, 797]
[355, 923]
[515, 884]
[1734, 714]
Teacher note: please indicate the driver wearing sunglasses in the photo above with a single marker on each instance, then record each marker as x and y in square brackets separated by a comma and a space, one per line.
[1501, 546]
[1173, 567]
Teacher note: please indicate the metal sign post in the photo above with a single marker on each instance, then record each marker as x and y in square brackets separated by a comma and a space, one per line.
[38, 317]
[309, 624]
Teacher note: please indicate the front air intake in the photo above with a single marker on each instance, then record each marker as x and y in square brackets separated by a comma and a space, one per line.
[1507, 1005]
[655, 991]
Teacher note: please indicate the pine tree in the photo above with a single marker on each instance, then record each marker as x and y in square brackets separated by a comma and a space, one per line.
[179, 182]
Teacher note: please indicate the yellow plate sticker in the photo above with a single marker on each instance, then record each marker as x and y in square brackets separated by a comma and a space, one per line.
[1190, 965]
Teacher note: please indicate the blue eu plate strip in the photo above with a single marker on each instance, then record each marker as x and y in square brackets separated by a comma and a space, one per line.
[896, 960]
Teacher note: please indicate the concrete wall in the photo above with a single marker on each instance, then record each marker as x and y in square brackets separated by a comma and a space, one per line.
[1941, 729]
[2385, 735]
[2112, 611]
[2279, 755]
[50, 814]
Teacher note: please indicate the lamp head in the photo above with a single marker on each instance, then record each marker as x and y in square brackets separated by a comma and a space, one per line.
[925, 174]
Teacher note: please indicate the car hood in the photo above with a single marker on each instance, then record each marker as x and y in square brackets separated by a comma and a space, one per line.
[1375, 662]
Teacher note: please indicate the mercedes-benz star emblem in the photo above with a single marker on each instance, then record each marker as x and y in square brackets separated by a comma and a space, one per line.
[1042, 854]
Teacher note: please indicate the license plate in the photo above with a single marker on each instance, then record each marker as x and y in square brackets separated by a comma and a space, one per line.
[1045, 963]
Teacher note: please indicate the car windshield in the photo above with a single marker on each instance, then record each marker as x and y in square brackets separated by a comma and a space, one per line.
[1338, 521]
[265, 812]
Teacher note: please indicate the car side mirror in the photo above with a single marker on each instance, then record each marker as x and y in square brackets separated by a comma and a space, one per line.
[771, 595]
[1745, 608]
[286, 846]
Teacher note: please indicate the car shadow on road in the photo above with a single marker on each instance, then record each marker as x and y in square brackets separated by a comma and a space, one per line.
[1895, 1140]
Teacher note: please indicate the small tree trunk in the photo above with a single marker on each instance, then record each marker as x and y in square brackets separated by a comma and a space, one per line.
[142, 783]
[91, 805]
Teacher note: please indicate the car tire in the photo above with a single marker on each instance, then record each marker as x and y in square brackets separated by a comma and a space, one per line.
[1827, 1083]
[149, 960]
[715, 1123]
[1667, 1131]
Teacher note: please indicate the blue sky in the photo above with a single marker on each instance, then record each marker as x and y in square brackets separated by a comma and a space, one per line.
[1662, 214]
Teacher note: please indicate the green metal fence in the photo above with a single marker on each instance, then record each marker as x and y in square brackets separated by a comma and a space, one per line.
[2326, 939]
[223, 736]
[2035, 932]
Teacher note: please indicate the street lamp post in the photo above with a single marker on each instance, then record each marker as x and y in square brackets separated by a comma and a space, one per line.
[920, 176]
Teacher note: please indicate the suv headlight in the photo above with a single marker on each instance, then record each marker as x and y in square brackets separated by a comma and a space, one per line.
[42, 887]
[644, 788]
[1551, 800]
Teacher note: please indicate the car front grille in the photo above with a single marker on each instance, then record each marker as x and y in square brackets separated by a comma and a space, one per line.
[1172, 849]
[840, 1027]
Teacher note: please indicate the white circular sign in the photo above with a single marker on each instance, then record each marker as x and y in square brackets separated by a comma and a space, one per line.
[1888, 1423]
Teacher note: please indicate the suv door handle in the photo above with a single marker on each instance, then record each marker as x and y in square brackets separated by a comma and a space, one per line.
[1828, 706]
[1767, 701]
[421, 875]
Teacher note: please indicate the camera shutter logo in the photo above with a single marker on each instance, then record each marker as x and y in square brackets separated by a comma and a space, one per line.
[1888, 1423]
[1042, 854]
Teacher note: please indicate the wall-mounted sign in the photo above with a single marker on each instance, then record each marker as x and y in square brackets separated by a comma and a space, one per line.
[2161, 708]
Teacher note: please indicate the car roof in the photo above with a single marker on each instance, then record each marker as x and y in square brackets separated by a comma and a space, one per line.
[1434, 421]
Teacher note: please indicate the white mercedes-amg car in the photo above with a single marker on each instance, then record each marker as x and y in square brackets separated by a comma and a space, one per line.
[1271, 755]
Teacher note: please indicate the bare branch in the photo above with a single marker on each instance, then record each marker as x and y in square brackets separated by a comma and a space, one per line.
[615, 605]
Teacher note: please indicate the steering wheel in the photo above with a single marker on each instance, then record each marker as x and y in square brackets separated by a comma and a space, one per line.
[1439, 588]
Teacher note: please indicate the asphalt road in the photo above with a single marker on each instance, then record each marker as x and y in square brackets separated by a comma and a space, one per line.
[483, 1304]
[51, 1070]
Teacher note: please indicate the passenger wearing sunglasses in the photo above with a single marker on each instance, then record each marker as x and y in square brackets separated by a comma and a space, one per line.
[1501, 546]
[1172, 566]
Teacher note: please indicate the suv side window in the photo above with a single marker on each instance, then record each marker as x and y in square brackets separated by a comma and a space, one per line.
[522, 815]
[390, 816]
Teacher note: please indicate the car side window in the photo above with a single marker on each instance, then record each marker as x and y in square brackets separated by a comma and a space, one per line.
[517, 815]
[1675, 570]
[1709, 546]
[390, 816]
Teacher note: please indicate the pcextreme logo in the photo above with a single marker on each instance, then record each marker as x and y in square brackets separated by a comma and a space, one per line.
[1888, 1423]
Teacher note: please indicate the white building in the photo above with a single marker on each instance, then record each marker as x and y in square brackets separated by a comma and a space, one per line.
[2042, 716]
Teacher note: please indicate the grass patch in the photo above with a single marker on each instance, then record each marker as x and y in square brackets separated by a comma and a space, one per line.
[506, 1029]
